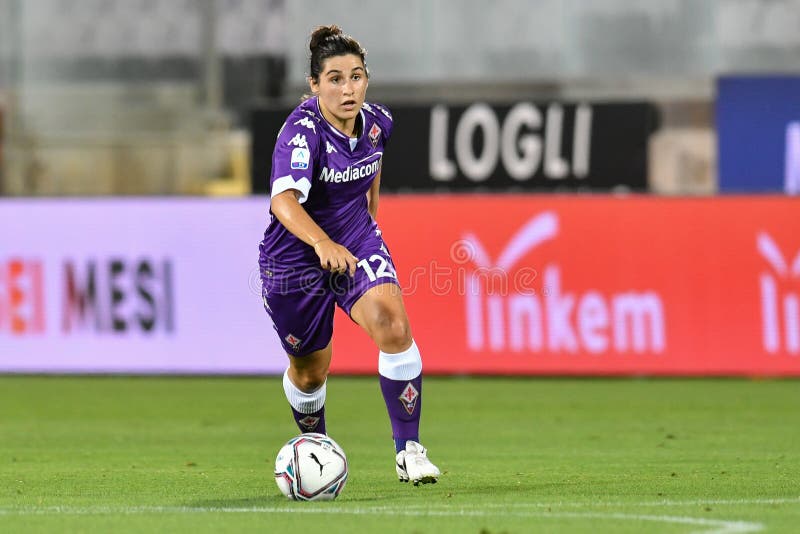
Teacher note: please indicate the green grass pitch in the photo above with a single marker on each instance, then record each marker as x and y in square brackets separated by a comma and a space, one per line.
[122, 454]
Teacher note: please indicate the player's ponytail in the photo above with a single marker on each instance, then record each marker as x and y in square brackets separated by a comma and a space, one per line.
[330, 41]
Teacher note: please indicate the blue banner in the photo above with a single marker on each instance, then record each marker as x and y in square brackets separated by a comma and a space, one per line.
[758, 130]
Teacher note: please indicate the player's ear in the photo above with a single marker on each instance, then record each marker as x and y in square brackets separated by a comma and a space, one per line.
[313, 85]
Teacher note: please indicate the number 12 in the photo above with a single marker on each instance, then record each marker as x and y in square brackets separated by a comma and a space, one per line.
[384, 269]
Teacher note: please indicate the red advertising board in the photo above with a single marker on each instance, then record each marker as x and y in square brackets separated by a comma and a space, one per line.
[593, 285]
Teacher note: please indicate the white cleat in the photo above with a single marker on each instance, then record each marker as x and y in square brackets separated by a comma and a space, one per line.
[413, 465]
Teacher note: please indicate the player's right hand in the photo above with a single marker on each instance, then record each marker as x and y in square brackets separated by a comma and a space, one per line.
[335, 258]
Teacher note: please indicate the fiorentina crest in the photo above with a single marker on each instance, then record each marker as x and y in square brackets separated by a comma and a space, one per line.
[309, 422]
[409, 398]
[374, 134]
[293, 341]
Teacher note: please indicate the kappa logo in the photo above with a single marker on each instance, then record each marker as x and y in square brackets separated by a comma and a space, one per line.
[264, 298]
[298, 141]
[374, 134]
[293, 341]
[772, 304]
[555, 320]
[385, 112]
[309, 422]
[308, 123]
[330, 148]
[409, 398]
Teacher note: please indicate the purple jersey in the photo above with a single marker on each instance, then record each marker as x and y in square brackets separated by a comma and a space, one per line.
[331, 171]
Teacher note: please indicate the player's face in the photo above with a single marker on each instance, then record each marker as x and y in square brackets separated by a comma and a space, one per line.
[342, 88]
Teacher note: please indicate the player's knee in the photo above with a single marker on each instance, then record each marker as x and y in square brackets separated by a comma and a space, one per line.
[392, 333]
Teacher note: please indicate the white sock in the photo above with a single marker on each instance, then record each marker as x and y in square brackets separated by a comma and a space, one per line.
[301, 401]
[405, 365]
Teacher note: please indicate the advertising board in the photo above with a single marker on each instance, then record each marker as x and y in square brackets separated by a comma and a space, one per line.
[493, 284]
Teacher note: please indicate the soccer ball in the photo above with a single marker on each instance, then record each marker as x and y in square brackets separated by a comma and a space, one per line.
[311, 467]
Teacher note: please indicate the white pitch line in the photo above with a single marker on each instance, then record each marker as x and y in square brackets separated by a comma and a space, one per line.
[645, 504]
[716, 526]
[719, 526]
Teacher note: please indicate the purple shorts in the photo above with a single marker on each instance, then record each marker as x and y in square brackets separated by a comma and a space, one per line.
[300, 299]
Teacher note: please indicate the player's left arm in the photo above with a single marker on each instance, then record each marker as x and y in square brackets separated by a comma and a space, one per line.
[372, 195]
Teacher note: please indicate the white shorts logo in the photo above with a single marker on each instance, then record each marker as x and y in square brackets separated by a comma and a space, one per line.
[300, 157]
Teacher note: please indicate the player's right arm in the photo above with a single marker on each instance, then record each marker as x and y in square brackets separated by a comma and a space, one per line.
[332, 256]
[290, 184]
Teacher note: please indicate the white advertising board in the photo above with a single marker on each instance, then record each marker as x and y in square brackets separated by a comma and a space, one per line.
[134, 285]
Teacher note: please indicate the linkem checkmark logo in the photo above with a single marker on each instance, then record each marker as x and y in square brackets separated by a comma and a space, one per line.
[553, 319]
[775, 306]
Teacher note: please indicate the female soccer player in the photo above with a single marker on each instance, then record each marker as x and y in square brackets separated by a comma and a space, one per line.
[324, 182]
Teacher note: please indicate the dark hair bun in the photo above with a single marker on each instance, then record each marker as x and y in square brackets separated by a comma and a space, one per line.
[330, 41]
[321, 33]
